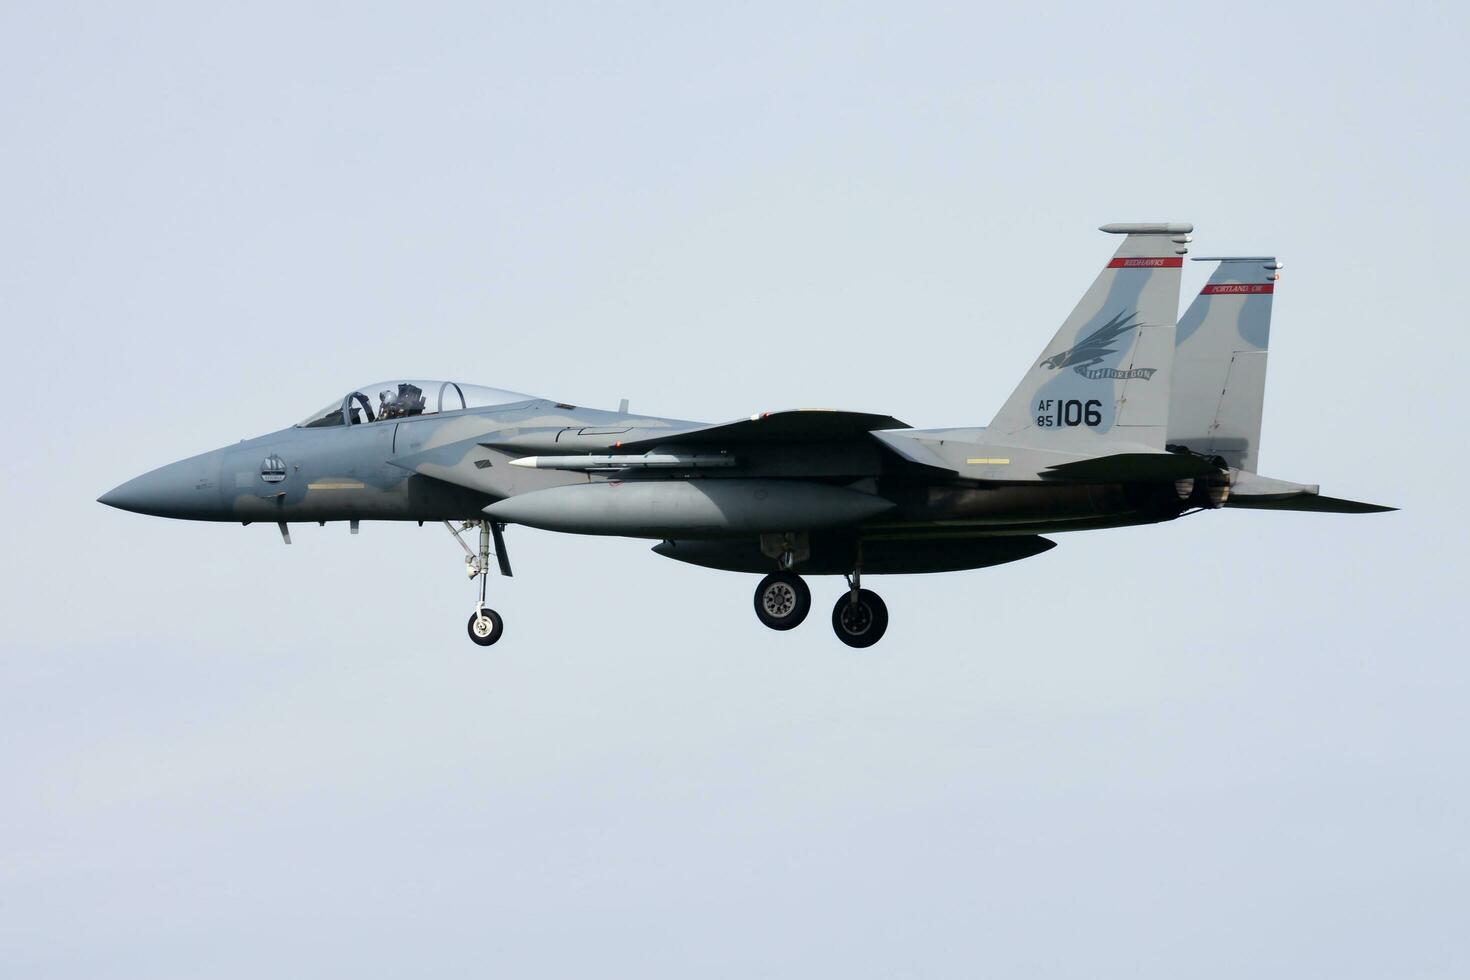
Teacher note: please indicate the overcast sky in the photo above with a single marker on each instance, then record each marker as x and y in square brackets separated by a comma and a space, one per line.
[1230, 746]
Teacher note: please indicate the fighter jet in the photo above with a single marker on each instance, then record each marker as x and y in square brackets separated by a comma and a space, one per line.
[1127, 417]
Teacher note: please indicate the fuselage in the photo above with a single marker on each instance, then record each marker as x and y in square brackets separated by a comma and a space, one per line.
[451, 465]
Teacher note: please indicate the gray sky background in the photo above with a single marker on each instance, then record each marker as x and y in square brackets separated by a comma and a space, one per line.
[1230, 746]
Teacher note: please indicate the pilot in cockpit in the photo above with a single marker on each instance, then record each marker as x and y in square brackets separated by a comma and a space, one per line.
[408, 401]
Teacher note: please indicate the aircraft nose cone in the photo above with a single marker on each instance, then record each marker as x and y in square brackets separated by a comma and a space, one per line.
[188, 489]
[115, 497]
[144, 494]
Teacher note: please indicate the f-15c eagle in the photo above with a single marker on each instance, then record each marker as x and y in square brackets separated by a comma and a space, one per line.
[1156, 418]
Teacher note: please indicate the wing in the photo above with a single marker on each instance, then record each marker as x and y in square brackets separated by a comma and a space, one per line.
[802, 443]
[803, 425]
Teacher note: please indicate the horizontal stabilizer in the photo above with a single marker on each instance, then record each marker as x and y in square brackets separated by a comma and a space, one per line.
[800, 425]
[1252, 491]
[1132, 468]
[1307, 502]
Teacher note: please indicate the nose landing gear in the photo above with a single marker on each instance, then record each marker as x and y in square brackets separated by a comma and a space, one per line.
[485, 626]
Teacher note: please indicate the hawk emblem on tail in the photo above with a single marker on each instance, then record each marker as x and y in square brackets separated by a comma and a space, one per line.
[1095, 346]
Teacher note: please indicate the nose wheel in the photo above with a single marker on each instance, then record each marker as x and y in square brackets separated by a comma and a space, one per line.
[486, 626]
[782, 600]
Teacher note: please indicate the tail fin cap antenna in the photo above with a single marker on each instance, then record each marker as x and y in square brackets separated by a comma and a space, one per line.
[1147, 228]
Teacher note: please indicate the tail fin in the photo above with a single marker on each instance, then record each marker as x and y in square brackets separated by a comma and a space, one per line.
[1220, 362]
[1104, 378]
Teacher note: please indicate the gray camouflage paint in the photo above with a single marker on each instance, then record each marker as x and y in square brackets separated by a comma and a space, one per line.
[942, 497]
[1220, 362]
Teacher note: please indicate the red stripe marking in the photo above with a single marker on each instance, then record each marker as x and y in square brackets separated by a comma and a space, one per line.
[1159, 263]
[1237, 288]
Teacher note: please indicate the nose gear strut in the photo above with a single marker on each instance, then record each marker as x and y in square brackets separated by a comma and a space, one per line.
[485, 625]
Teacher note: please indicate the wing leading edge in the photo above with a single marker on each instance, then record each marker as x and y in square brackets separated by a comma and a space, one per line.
[803, 425]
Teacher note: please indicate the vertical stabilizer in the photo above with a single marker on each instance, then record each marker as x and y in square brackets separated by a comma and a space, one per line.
[1104, 379]
[1220, 362]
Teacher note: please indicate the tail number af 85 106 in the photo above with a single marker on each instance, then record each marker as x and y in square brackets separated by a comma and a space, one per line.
[1068, 412]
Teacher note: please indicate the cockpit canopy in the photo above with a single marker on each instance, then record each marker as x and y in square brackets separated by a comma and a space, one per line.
[391, 400]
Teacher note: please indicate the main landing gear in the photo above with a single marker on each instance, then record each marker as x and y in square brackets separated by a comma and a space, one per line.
[485, 626]
[782, 600]
[860, 617]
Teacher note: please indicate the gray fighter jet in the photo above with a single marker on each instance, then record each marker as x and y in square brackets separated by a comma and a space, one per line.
[1127, 417]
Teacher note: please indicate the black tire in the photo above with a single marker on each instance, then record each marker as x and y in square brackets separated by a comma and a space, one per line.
[861, 625]
[782, 600]
[497, 627]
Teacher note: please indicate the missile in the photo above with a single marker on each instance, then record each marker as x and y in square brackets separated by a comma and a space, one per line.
[674, 508]
[691, 461]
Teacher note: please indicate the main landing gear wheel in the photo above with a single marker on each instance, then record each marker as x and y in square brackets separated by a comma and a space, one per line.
[782, 600]
[485, 627]
[860, 622]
